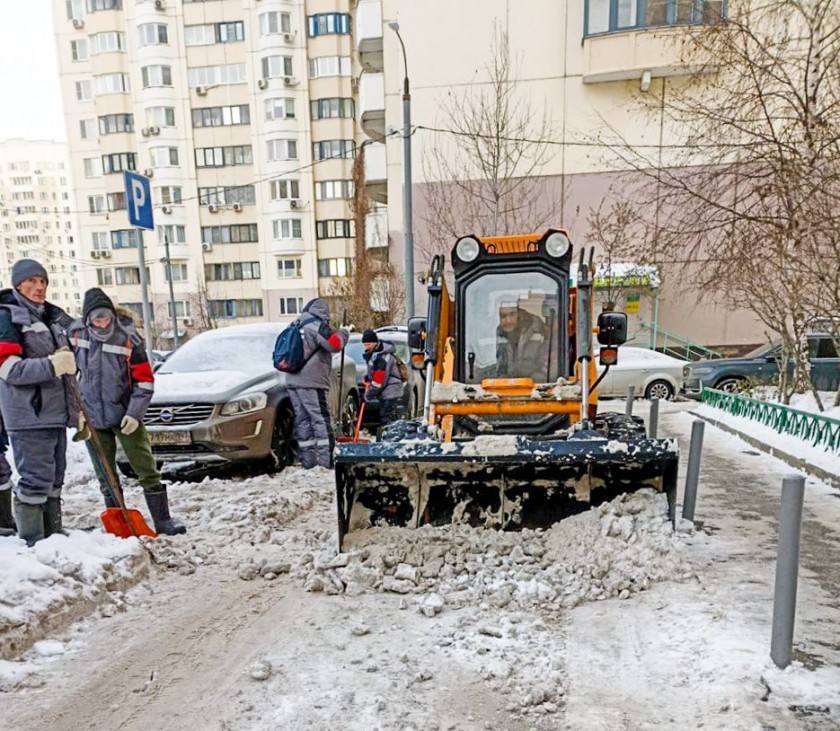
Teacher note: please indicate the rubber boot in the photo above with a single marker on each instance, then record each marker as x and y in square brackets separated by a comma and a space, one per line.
[158, 503]
[7, 521]
[52, 517]
[30, 522]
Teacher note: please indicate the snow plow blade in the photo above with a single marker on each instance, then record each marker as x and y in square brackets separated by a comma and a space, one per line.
[518, 483]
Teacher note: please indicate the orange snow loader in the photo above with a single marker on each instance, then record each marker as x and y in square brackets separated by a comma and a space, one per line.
[511, 436]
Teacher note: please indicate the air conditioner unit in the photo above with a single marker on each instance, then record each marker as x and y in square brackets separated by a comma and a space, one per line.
[94, 254]
[207, 246]
[78, 23]
[290, 81]
[294, 203]
[201, 90]
[262, 83]
[166, 209]
[144, 131]
[186, 321]
[160, 4]
[149, 172]
[289, 37]
[213, 208]
[237, 207]
[106, 254]
[154, 130]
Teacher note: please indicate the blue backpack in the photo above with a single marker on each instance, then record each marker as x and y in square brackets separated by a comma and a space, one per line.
[288, 354]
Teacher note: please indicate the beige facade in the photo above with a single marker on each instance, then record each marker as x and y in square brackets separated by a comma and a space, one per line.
[37, 217]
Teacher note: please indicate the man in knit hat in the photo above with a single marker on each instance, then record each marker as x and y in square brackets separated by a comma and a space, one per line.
[385, 384]
[35, 401]
[117, 384]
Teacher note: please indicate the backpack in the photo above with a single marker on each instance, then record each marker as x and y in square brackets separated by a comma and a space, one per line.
[402, 368]
[288, 356]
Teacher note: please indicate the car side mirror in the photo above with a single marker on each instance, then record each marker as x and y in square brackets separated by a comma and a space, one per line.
[417, 333]
[612, 329]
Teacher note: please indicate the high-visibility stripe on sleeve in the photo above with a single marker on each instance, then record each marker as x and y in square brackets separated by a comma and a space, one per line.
[37, 327]
[142, 372]
[335, 340]
[118, 349]
[378, 378]
[6, 366]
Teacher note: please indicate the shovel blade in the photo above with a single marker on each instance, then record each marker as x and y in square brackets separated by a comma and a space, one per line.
[115, 523]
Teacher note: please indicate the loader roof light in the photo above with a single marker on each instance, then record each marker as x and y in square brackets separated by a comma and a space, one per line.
[467, 249]
[557, 244]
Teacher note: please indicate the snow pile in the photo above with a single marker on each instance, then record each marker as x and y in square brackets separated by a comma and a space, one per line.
[615, 550]
[45, 588]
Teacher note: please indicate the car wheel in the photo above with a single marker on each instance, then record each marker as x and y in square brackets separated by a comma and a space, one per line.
[660, 389]
[126, 469]
[282, 438]
[349, 415]
[730, 385]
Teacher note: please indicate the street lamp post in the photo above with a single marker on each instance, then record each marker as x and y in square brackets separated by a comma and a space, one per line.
[408, 217]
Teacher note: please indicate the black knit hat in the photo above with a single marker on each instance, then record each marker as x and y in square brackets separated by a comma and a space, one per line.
[95, 298]
[369, 336]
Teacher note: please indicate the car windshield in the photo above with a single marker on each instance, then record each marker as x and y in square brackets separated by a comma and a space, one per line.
[218, 351]
[761, 350]
[355, 350]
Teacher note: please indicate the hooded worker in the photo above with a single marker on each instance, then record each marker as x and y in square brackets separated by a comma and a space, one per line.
[116, 385]
[521, 345]
[34, 398]
[384, 382]
[309, 388]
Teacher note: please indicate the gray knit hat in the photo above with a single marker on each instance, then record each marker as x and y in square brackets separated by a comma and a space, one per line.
[22, 269]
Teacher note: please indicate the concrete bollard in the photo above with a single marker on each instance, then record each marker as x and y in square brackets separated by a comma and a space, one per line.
[787, 569]
[653, 418]
[631, 390]
[692, 472]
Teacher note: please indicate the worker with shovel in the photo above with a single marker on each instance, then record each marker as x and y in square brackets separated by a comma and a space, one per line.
[385, 380]
[116, 385]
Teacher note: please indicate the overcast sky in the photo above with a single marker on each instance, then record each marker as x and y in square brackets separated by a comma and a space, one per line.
[30, 94]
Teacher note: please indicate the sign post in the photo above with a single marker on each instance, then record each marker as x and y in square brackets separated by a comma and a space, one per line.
[138, 196]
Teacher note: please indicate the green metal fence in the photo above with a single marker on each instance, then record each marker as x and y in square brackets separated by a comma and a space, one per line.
[821, 431]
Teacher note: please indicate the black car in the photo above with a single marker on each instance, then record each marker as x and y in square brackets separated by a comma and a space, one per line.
[762, 366]
[414, 387]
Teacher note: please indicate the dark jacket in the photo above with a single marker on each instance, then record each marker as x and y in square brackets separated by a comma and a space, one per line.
[31, 396]
[319, 343]
[523, 353]
[383, 373]
[115, 375]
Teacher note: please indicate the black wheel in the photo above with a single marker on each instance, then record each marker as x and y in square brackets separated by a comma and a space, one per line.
[126, 469]
[730, 384]
[349, 415]
[660, 389]
[282, 438]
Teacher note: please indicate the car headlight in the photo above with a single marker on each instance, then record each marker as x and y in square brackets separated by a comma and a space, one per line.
[557, 244]
[245, 404]
[700, 371]
[467, 248]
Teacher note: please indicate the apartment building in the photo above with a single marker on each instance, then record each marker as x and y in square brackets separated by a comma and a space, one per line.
[37, 218]
[242, 113]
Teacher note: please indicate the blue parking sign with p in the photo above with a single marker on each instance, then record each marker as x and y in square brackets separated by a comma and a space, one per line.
[138, 195]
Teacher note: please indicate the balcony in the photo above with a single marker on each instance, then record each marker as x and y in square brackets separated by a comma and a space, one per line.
[368, 24]
[286, 246]
[376, 176]
[372, 105]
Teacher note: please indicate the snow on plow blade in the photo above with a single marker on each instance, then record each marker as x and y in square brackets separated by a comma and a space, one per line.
[494, 482]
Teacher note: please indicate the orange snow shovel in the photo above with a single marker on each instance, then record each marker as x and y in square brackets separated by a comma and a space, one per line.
[355, 437]
[121, 521]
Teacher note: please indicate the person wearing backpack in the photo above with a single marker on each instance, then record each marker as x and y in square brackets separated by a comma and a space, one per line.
[385, 377]
[309, 382]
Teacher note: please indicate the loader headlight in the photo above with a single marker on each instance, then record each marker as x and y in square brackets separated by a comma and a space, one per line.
[557, 244]
[467, 249]
[245, 404]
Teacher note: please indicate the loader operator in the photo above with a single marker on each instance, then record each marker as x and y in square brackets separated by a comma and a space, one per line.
[521, 344]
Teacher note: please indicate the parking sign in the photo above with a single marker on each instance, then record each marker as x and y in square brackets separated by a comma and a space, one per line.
[138, 195]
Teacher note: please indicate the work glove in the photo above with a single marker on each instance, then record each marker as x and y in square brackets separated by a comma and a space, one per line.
[82, 430]
[129, 425]
[63, 363]
[351, 328]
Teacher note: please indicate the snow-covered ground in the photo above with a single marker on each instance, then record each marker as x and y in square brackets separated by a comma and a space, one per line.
[606, 621]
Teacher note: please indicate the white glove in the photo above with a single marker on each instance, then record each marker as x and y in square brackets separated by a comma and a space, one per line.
[129, 425]
[63, 363]
[351, 328]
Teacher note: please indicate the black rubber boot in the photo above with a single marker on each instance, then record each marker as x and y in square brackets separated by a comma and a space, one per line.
[52, 517]
[7, 521]
[30, 522]
[158, 503]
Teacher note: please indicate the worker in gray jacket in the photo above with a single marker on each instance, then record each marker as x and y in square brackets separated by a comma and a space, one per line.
[385, 384]
[309, 388]
[7, 521]
[35, 401]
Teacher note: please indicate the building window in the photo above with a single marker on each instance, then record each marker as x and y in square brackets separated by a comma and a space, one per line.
[100, 240]
[116, 201]
[156, 76]
[289, 268]
[161, 116]
[152, 34]
[175, 272]
[223, 309]
[333, 190]
[230, 32]
[333, 149]
[118, 162]
[169, 194]
[324, 24]
[282, 150]
[335, 267]
[164, 157]
[111, 84]
[128, 238]
[175, 234]
[209, 33]
[95, 5]
[217, 157]
[79, 50]
[329, 66]
[88, 129]
[84, 91]
[104, 277]
[221, 116]
[332, 108]
[280, 109]
[233, 73]
[182, 309]
[108, 42]
[275, 22]
[291, 305]
[286, 228]
[607, 16]
[227, 195]
[111, 123]
[75, 9]
[127, 275]
[282, 190]
[96, 203]
[92, 167]
[239, 270]
[274, 67]
[243, 233]
[335, 228]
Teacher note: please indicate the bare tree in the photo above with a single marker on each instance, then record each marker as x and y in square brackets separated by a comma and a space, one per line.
[486, 160]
